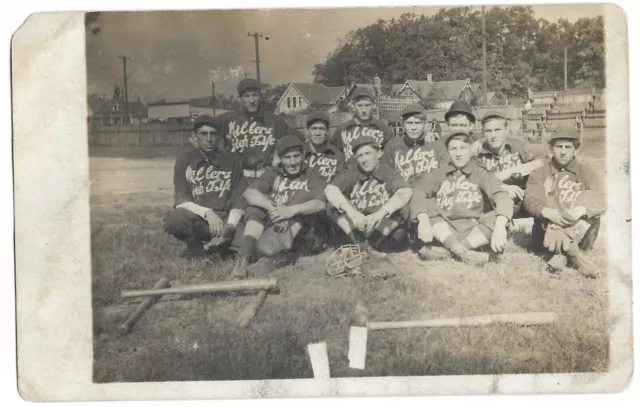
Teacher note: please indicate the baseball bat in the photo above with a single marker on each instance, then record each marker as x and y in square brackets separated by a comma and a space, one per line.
[126, 326]
[219, 287]
[536, 318]
[251, 310]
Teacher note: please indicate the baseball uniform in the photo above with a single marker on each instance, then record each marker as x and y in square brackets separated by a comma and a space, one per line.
[352, 130]
[412, 159]
[328, 162]
[515, 152]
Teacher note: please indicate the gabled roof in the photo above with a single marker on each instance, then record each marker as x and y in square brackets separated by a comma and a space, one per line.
[449, 89]
[316, 93]
[335, 93]
[490, 96]
[138, 109]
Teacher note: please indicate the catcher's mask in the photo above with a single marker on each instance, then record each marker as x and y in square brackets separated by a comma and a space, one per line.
[345, 258]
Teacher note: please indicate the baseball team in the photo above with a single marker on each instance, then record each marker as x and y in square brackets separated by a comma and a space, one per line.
[254, 188]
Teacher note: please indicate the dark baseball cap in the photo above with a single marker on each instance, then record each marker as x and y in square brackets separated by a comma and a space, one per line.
[564, 133]
[247, 84]
[413, 108]
[460, 107]
[205, 119]
[360, 92]
[364, 141]
[287, 143]
[492, 115]
[449, 136]
[316, 116]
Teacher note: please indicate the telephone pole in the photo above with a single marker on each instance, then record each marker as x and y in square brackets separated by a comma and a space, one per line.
[255, 37]
[484, 60]
[126, 91]
[213, 97]
[566, 86]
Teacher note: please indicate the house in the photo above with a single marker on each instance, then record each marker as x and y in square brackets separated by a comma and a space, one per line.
[182, 111]
[106, 111]
[299, 97]
[442, 93]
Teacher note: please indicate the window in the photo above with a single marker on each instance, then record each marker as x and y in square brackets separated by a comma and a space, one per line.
[294, 102]
[288, 103]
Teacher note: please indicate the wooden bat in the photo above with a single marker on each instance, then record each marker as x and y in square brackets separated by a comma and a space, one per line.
[251, 310]
[126, 326]
[219, 287]
[535, 318]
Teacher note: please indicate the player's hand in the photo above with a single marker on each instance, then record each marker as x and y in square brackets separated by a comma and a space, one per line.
[281, 226]
[514, 191]
[574, 214]
[358, 219]
[425, 231]
[280, 213]
[215, 223]
[554, 216]
[373, 220]
[499, 235]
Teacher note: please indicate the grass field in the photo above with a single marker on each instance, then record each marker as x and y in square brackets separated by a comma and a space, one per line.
[197, 338]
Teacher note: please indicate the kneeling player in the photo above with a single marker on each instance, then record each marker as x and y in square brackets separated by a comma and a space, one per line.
[370, 201]
[208, 185]
[566, 199]
[279, 200]
[451, 205]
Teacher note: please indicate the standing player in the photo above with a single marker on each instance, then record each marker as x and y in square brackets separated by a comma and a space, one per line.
[412, 155]
[362, 124]
[321, 155]
[504, 156]
[454, 206]
[208, 186]
[280, 200]
[252, 131]
[567, 200]
[369, 202]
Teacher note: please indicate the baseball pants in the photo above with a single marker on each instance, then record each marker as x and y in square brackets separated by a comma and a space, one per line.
[190, 228]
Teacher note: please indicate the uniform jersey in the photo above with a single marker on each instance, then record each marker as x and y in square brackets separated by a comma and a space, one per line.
[515, 152]
[556, 187]
[282, 187]
[254, 136]
[369, 192]
[414, 159]
[463, 193]
[327, 162]
[212, 182]
[351, 130]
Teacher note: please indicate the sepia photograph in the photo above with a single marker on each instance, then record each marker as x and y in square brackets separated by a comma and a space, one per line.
[342, 193]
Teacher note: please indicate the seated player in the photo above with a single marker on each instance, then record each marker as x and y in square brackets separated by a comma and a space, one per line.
[453, 205]
[412, 155]
[208, 184]
[279, 200]
[460, 118]
[567, 199]
[505, 157]
[369, 202]
[321, 155]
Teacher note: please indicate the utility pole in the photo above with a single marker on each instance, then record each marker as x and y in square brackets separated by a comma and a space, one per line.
[484, 60]
[255, 37]
[566, 86]
[126, 91]
[213, 97]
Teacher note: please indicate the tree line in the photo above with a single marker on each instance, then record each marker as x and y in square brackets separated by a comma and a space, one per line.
[522, 51]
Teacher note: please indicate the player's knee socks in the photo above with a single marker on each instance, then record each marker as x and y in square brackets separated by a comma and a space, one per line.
[248, 245]
[377, 238]
[450, 242]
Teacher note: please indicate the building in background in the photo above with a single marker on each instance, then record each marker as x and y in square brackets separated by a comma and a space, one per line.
[300, 97]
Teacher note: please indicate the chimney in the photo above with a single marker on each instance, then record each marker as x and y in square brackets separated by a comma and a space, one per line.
[429, 78]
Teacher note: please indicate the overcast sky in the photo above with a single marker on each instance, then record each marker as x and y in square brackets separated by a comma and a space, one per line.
[173, 53]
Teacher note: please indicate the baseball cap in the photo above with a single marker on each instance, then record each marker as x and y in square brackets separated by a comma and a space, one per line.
[362, 92]
[413, 108]
[449, 136]
[364, 141]
[247, 84]
[492, 115]
[317, 115]
[205, 119]
[462, 107]
[286, 143]
[565, 132]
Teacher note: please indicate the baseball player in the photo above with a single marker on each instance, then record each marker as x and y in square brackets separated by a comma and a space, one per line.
[453, 205]
[369, 202]
[208, 184]
[362, 124]
[460, 118]
[321, 155]
[505, 157]
[279, 200]
[567, 200]
[412, 155]
[253, 132]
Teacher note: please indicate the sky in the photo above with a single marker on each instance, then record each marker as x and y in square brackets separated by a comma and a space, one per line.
[174, 55]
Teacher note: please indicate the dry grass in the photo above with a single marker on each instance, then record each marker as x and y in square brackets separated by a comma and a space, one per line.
[196, 338]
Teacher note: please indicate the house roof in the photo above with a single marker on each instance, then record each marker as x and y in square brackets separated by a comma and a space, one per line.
[316, 93]
[490, 96]
[138, 109]
[335, 92]
[449, 89]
